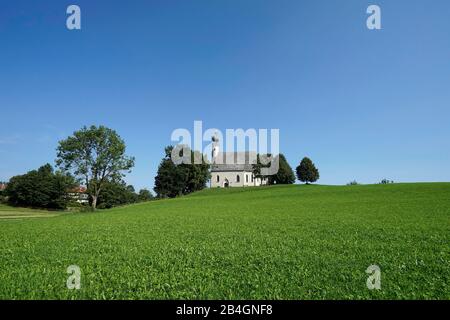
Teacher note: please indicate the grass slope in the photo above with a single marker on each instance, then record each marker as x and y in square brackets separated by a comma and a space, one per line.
[285, 242]
[8, 212]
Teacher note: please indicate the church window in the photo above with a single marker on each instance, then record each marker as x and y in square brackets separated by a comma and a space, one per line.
[238, 178]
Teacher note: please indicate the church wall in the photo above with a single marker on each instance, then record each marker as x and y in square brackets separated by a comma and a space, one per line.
[232, 179]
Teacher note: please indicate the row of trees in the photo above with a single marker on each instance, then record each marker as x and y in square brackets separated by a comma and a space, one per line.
[383, 181]
[93, 156]
[119, 193]
[46, 188]
[306, 171]
[174, 180]
[42, 188]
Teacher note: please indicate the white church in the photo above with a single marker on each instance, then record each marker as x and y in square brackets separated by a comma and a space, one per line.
[233, 169]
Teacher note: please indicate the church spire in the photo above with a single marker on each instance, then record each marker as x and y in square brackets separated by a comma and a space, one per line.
[215, 147]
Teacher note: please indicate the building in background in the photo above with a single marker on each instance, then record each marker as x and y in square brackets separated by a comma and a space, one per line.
[79, 195]
[233, 169]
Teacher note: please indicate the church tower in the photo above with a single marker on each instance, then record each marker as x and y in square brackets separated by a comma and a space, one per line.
[215, 148]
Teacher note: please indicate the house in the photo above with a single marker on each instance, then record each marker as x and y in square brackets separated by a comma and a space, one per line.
[3, 186]
[79, 194]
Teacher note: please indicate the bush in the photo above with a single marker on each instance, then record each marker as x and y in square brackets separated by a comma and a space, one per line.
[386, 181]
[145, 195]
[353, 183]
[116, 194]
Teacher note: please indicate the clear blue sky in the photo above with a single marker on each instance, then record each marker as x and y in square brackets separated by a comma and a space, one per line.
[362, 104]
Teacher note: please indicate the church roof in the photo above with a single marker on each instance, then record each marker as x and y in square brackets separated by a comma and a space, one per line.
[233, 161]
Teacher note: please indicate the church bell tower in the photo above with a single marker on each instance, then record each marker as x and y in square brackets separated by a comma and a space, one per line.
[215, 148]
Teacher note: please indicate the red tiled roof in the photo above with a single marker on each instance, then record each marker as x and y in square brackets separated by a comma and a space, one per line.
[79, 189]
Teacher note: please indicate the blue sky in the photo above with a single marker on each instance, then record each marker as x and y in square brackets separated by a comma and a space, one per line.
[362, 104]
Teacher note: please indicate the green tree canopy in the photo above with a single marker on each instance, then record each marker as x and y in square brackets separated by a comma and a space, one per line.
[116, 193]
[42, 188]
[145, 195]
[307, 171]
[95, 155]
[285, 174]
[173, 180]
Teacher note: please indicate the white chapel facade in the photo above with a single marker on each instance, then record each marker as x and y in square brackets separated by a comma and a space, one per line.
[233, 169]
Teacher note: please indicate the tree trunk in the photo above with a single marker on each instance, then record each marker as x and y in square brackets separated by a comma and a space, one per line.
[94, 202]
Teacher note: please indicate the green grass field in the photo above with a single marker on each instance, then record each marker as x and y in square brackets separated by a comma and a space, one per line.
[286, 242]
[7, 212]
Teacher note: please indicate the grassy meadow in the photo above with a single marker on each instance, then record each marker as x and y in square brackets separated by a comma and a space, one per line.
[7, 212]
[281, 242]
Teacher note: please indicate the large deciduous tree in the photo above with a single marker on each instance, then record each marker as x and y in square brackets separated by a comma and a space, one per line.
[307, 171]
[95, 155]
